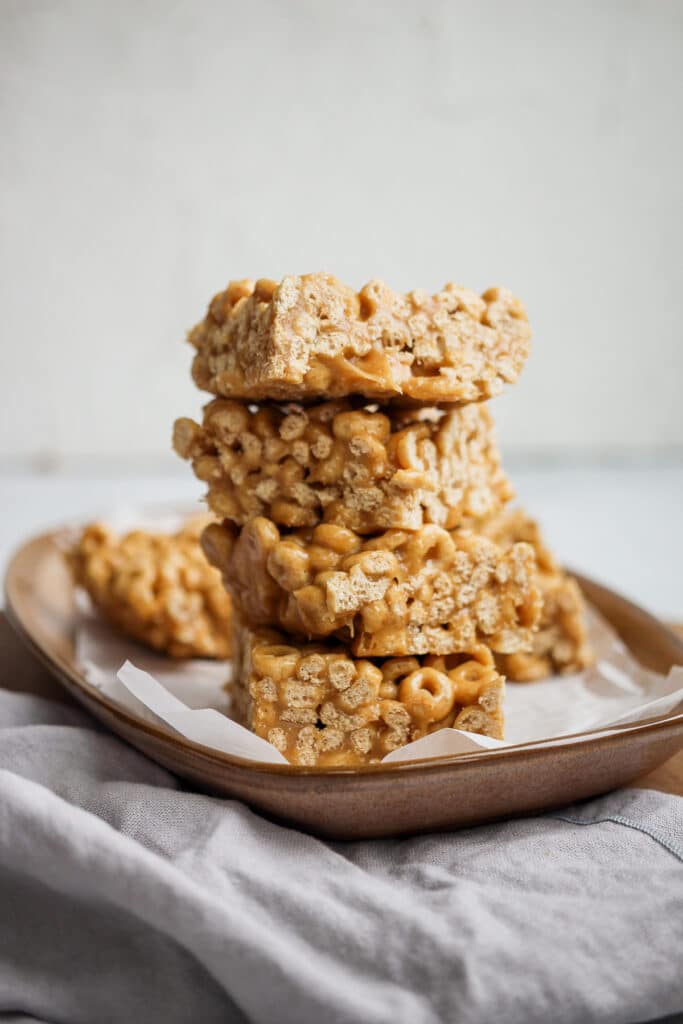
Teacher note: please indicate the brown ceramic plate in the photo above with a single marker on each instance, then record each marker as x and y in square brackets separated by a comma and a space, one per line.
[381, 800]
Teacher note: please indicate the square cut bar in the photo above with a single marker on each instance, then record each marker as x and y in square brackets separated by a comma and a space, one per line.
[322, 707]
[560, 645]
[156, 587]
[333, 463]
[310, 338]
[427, 592]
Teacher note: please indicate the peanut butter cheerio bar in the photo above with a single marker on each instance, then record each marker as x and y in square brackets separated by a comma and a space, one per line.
[427, 592]
[322, 707]
[310, 338]
[156, 587]
[362, 469]
[560, 644]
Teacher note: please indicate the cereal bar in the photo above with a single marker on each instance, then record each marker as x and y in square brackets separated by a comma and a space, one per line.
[322, 707]
[354, 467]
[156, 587]
[310, 338]
[560, 645]
[427, 592]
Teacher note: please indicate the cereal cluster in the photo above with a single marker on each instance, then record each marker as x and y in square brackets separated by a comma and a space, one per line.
[381, 588]
[427, 591]
[560, 644]
[156, 587]
[355, 467]
[311, 338]
[321, 707]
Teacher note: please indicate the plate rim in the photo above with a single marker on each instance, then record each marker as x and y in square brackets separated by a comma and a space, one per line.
[72, 680]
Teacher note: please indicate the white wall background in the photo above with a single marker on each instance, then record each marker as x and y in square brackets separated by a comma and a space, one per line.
[152, 150]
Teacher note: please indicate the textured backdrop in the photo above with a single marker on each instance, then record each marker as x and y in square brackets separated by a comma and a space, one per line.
[151, 151]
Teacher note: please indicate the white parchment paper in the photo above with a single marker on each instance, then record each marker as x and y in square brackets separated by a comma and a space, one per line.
[189, 697]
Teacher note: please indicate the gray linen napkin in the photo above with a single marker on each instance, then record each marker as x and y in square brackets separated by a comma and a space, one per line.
[125, 898]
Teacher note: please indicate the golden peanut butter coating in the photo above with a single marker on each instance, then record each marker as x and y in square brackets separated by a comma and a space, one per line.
[430, 591]
[312, 338]
[322, 707]
[156, 587]
[560, 644]
[355, 467]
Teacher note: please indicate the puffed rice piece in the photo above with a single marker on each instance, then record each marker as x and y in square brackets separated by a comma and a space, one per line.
[323, 708]
[425, 592]
[560, 645]
[311, 338]
[365, 469]
[156, 587]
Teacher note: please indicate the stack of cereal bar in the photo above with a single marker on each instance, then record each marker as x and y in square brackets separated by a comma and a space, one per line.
[380, 587]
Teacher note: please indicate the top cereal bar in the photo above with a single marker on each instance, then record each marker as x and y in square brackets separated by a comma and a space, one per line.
[312, 338]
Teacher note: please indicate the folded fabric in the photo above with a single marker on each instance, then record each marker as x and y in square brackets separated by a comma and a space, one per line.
[125, 897]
